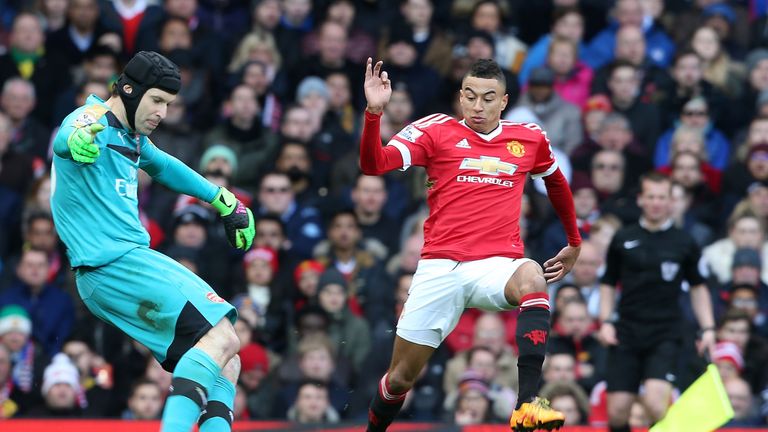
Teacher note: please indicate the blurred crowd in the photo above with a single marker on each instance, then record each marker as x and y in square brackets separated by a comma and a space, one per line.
[271, 107]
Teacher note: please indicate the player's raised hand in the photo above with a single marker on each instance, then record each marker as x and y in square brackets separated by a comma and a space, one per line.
[238, 219]
[378, 88]
[558, 266]
[81, 145]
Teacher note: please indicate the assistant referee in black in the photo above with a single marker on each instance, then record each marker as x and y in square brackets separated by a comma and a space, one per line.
[649, 261]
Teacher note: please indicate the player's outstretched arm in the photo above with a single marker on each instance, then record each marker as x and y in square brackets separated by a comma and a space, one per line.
[375, 159]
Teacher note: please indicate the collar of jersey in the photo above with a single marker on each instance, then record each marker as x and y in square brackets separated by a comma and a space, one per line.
[665, 226]
[489, 136]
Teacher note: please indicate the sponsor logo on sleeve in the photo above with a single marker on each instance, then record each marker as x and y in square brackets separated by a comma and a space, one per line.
[410, 133]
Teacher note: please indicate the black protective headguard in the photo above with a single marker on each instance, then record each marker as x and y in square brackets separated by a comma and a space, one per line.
[146, 70]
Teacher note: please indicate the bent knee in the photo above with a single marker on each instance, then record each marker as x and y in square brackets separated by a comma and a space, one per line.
[532, 279]
[398, 382]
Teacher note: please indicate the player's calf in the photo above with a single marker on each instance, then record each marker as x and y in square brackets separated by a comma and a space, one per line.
[218, 416]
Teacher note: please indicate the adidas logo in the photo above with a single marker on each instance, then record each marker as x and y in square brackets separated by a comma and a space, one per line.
[463, 144]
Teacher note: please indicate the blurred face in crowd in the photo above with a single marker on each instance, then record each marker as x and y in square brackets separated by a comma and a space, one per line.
[369, 194]
[483, 361]
[267, 14]
[687, 71]
[696, 116]
[614, 135]
[736, 331]
[565, 294]
[269, 233]
[332, 42]
[33, 268]
[740, 396]
[638, 417]
[297, 124]
[562, 57]
[255, 77]
[758, 131]
[686, 170]
[41, 235]
[100, 68]
[559, 367]
[758, 200]
[401, 54]
[574, 320]
[259, 272]
[592, 121]
[332, 298]
[487, 18]
[275, 193]
[83, 14]
[629, 12]
[473, 406]
[680, 201]
[61, 396]
[654, 200]
[294, 161]
[745, 275]
[296, 11]
[175, 34]
[244, 105]
[339, 90]
[489, 333]
[146, 402]
[26, 34]
[745, 299]
[630, 44]
[690, 140]
[55, 8]
[191, 234]
[80, 354]
[317, 364]
[342, 12]
[624, 84]
[482, 101]
[570, 26]
[757, 165]
[400, 108]
[608, 171]
[567, 405]
[311, 404]
[308, 283]
[14, 340]
[585, 201]
[726, 369]
[479, 48]
[747, 233]
[706, 43]
[417, 13]
[100, 89]
[344, 232]
[181, 8]
[587, 265]
[758, 77]
[18, 99]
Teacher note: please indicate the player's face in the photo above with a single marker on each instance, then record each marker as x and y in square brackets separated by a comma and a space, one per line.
[152, 110]
[482, 101]
[654, 200]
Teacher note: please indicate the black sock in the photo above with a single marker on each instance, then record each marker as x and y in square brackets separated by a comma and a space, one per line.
[624, 428]
[384, 407]
[532, 334]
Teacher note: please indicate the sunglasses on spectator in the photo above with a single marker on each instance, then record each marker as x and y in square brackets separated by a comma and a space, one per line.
[285, 189]
[692, 113]
[611, 167]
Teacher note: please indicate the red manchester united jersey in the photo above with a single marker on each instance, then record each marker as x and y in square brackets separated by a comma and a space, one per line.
[475, 183]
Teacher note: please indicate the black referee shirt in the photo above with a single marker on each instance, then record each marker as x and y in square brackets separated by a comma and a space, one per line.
[650, 267]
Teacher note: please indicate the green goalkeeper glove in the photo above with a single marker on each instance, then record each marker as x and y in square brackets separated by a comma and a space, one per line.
[237, 218]
[81, 145]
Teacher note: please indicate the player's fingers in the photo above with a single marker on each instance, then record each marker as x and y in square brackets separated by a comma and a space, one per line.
[377, 69]
[385, 78]
[368, 68]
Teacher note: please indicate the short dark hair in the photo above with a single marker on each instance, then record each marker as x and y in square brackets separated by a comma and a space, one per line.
[487, 68]
[272, 217]
[343, 212]
[142, 382]
[732, 315]
[654, 177]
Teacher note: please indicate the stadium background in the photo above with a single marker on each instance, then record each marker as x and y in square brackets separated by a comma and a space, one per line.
[271, 105]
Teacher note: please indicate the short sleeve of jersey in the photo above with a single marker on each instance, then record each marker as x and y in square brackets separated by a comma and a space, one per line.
[613, 262]
[691, 269]
[545, 163]
[415, 141]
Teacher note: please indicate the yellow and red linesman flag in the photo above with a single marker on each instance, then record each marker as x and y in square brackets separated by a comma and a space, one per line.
[703, 407]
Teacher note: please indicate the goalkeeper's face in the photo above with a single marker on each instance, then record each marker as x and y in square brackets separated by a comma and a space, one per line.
[482, 101]
[152, 110]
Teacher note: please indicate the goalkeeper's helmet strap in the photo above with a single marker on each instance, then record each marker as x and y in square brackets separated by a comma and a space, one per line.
[146, 70]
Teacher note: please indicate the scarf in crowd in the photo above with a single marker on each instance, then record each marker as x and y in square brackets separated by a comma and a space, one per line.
[25, 62]
[23, 367]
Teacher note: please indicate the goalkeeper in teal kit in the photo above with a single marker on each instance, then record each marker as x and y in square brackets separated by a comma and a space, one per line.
[97, 152]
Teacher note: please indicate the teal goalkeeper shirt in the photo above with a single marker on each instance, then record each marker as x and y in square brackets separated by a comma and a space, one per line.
[95, 206]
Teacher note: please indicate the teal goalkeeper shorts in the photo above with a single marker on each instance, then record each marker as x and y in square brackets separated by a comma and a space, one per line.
[155, 300]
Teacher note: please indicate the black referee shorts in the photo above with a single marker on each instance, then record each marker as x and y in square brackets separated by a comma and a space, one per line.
[628, 366]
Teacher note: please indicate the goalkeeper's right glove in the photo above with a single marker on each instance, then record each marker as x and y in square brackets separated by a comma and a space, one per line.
[237, 218]
[81, 145]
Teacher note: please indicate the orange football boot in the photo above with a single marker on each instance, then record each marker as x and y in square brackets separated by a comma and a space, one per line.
[536, 415]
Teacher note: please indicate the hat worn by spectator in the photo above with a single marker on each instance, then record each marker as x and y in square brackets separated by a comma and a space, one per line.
[218, 151]
[263, 254]
[755, 57]
[254, 357]
[60, 371]
[311, 85]
[756, 186]
[728, 351]
[192, 213]
[307, 266]
[720, 10]
[746, 257]
[14, 318]
[541, 76]
[473, 380]
[330, 277]
[598, 102]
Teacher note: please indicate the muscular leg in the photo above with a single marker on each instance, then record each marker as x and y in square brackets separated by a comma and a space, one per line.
[408, 359]
[528, 288]
[619, 407]
[217, 415]
[656, 398]
[195, 375]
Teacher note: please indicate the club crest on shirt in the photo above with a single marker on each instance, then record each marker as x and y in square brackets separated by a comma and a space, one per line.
[410, 133]
[516, 149]
[669, 270]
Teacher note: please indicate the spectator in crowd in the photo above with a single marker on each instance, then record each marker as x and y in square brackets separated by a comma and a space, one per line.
[481, 368]
[573, 332]
[145, 401]
[369, 197]
[312, 406]
[719, 69]
[735, 326]
[728, 359]
[742, 402]
[744, 231]
[61, 386]
[81, 33]
[572, 78]
[344, 12]
[95, 374]
[11, 398]
[295, 161]
[27, 358]
[559, 367]
[509, 51]
[586, 276]
[18, 100]
[624, 89]
[473, 404]
[263, 299]
[569, 399]
[567, 23]
[685, 219]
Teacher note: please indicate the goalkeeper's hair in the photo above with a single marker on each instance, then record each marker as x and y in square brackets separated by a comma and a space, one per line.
[487, 68]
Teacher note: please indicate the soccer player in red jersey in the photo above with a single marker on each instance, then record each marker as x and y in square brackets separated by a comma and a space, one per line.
[472, 255]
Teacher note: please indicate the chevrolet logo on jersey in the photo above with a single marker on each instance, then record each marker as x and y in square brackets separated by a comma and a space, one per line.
[488, 165]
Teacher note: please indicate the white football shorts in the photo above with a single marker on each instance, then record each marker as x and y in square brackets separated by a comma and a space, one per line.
[443, 288]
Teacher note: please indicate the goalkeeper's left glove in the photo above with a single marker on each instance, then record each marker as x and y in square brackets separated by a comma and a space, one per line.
[237, 218]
